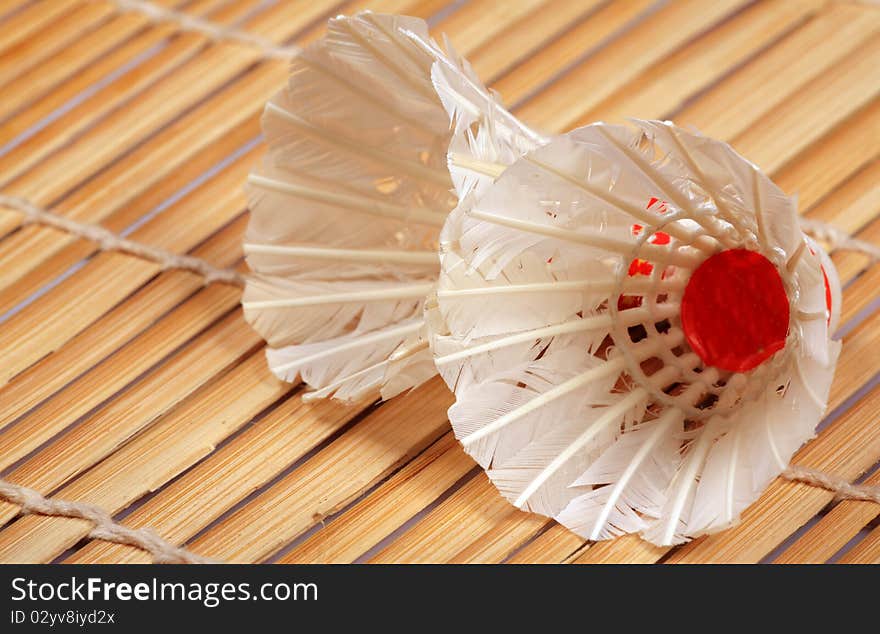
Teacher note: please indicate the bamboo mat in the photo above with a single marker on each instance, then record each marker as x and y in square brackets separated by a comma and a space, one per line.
[145, 392]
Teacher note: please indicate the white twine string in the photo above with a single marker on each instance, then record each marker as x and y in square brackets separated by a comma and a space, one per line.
[212, 30]
[109, 241]
[105, 528]
[842, 488]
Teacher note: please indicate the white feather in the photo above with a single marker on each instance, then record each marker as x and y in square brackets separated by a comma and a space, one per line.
[347, 206]
[464, 291]
[713, 177]
[267, 306]
[673, 524]
[761, 439]
[331, 360]
[635, 471]
[511, 388]
[813, 319]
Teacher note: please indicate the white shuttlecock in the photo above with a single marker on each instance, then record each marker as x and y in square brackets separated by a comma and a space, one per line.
[636, 330]
[347, 205]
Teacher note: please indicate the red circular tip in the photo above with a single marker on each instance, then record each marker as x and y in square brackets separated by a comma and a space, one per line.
[735, 311]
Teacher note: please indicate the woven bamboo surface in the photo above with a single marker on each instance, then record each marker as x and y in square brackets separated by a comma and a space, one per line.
[146, 393]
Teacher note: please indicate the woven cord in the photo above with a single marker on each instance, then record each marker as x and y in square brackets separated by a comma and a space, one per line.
[842, 488]
[838, 238]
[109, 241]
[105, 528]
[212, 30]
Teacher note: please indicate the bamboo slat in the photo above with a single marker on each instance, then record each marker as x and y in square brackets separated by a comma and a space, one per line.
[471, 510]
[51, 40]
[385, 510]
[532, 33]
[482, 20]
[864, 289]
[168, 294]
[112, 425]
[831, 532]
[576, 44]
[854, 204]
[358, 459]
[768, 80]
[62, 252]
[97, 130]
[854, 145]
[865, 552]
[111, 277]
[178, 441]
[143, 387]
[31, 19]
[242, 466]
[629, 549]
[552, 546]
[154, 160]
[7, 7]
[702, 61]
[825, 102]
[94, 56]
[420, 8]
[503, 539]
[622, 59]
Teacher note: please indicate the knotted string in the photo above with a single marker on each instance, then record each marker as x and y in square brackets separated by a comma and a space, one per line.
[838, 238]
[105, 528]
[212, 30]
[109, 241]
[842, 488]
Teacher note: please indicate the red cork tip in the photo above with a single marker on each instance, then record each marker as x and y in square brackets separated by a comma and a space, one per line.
[735, 311]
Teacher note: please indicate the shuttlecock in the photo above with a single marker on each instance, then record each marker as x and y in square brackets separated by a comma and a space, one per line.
[347, 205]
[636, 330]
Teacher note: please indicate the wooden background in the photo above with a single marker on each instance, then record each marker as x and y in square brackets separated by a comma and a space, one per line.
[146, 393]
